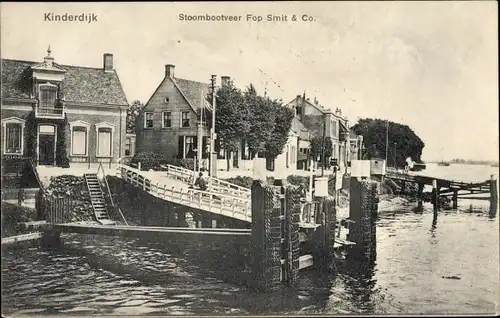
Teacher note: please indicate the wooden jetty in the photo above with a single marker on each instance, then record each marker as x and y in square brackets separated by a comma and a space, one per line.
[451, 189]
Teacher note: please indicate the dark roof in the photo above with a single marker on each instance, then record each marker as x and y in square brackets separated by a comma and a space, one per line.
[192, 91]
[298, 127]
[80, 84]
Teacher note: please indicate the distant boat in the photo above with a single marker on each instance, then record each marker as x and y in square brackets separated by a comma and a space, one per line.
[442, 163]
[495, 165]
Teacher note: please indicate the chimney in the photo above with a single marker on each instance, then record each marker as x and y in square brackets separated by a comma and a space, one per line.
[108, 62]
[169, 70]
[224, 80]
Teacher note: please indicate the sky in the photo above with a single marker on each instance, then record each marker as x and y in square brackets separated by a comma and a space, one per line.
[430, 65]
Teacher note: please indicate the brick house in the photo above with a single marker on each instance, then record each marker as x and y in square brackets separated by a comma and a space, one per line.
[318, 119]
[61, 114]
[168, 122]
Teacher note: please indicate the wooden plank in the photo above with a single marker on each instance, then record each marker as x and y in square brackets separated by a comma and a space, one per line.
[305, 261]
[21, 238]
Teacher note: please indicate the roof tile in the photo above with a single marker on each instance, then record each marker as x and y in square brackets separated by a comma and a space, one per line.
[80, 84]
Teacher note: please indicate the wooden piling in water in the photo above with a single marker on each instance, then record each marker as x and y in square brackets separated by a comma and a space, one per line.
[292, 226]
[266, 236]
[455, 199]
[420, 195]
[435, 196]
[493, 194]
[363, 210]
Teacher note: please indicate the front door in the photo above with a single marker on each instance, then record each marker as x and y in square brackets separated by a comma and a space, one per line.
[46, 149]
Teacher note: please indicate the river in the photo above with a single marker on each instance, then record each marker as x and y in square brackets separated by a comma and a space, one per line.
[423, 265]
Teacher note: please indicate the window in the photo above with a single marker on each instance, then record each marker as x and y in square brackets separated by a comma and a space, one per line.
[333, 126]
[167, 119]
[79, 137]
[48, 96]
[104, 143]
[148, 120]
[79, 141]
[13, 138]
[189, 147]
[184, 119]
[128, 146]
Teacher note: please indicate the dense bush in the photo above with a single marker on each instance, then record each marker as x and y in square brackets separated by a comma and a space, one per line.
[12, 214]
[241, 181]
[149, 160]
[74, 188]
[153, 160]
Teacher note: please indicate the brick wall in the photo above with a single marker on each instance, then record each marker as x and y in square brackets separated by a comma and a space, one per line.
[91, 115]
[94, 116]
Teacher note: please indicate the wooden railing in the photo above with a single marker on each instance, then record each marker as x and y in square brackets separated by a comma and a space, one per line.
[215, 185]
[218, 203]
[113, 206]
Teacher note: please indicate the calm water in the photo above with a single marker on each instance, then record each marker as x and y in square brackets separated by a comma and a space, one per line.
[416, 256]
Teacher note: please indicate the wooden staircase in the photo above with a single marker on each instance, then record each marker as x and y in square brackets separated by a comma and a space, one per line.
[98, 201]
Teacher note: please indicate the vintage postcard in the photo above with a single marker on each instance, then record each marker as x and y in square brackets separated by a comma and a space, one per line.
[249, 158]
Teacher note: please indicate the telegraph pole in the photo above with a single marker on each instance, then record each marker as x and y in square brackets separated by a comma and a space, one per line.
[386, 139]
[212, 131]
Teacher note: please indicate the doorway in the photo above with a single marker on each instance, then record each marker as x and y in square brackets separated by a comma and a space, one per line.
[46, 145]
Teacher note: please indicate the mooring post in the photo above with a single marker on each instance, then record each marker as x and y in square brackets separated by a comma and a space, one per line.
[51, 238]
[455, 199]
[435, 196]
[328, 224]
[266, 236]
[493, 194]
[420, 194]
[363, 209]
[292, 226]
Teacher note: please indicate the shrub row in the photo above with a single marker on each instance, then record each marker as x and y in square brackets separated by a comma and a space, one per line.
[153, 160]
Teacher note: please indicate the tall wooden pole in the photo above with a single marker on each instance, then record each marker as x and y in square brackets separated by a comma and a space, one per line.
[386, 139]
[323, 148]
[212, 131]
[200, 134]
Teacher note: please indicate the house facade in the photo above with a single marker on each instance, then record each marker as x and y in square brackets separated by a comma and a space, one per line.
[169, 122]
[320, 121]
[62, 114]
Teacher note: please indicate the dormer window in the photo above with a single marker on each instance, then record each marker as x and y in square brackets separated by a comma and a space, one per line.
[47, 96]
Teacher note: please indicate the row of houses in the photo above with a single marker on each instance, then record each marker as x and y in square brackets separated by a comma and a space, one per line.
[52, 111]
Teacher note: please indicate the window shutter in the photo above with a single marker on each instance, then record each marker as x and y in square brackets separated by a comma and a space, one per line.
[180, 148]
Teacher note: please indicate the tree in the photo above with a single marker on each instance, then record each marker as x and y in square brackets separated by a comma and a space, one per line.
[316, 145]
[282, 124]
[403, 142]
[263, 123]
[261, 119]
[132, 113]
[231, 121]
